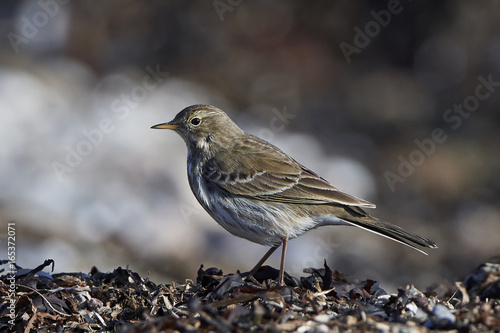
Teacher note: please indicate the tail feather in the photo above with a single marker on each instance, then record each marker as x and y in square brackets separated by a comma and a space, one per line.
[388, 230]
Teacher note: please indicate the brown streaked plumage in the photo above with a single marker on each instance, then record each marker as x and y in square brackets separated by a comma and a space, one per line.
[257, 192]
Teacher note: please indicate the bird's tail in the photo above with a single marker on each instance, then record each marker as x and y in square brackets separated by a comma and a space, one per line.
[363, 220]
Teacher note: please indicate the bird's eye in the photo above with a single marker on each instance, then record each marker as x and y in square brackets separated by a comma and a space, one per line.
[196, 121]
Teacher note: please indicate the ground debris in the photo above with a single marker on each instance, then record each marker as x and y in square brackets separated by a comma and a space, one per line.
[323, 301]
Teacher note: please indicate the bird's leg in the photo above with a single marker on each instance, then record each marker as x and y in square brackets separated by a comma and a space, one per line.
[263, 260]
[282, 265]
[267, 255]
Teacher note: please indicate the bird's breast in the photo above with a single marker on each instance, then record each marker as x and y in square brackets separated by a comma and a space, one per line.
[199, 186]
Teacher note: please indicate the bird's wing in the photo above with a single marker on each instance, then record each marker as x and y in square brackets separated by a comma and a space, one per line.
[263, 172]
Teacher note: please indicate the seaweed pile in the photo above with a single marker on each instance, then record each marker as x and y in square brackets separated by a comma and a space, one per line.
[323, 301]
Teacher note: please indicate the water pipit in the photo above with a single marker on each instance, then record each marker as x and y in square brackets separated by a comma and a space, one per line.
[257, 192]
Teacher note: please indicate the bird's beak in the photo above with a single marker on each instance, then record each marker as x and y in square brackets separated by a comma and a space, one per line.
[169, 126]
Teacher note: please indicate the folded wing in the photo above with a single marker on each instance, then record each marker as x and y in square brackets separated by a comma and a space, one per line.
[263, 172]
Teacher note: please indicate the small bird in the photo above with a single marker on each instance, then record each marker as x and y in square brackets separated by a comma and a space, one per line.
[257, 192]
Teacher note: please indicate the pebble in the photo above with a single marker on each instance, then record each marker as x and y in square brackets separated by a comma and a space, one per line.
[443, 313]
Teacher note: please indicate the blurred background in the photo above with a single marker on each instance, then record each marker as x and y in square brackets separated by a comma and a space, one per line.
[395, 102]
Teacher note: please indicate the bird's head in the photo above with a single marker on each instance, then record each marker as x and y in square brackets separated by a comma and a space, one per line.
[203, 127]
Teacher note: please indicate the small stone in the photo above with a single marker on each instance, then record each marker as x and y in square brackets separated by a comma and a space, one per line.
[321, 329]
[322, 318]
[443, 313]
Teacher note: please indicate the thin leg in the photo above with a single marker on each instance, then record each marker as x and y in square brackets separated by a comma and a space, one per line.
[282, 265]
[263, 260]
